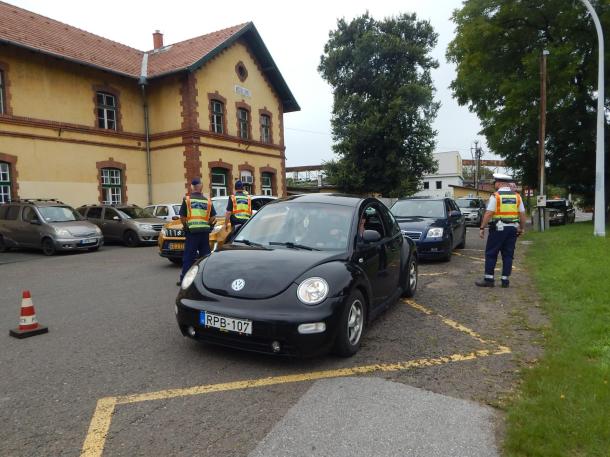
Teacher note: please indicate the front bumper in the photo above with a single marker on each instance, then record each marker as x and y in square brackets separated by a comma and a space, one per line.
[148, 236]
[270, 322]
[168, 248]
[432, 249]
[472, 218]
[78, 244]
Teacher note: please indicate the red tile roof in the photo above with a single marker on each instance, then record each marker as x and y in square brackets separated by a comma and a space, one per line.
[33, 31]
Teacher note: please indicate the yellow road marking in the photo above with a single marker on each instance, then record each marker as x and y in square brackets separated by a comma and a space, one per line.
[102, 418]
[479, 259]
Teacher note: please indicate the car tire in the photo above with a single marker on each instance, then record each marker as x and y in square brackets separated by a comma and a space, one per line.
[48, 247]
[462, 244]
[176, 261]
[351, 326]
[130, 238]
[3, 245]
[410, 280]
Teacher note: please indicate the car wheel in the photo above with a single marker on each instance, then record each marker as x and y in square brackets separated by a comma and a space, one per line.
[410, 281]
[447, 257]
[351, 326]
[3, 246]
[48, 247]
[131, 238]
[176, 261]
[462, 244]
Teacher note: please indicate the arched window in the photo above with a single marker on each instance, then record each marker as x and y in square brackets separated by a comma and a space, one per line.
[5, 182]
[112, 186]
[265, 128]
[219, 182]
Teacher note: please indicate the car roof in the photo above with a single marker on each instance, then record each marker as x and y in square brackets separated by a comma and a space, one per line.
[335, 199]
[424, 198]
[253, 196]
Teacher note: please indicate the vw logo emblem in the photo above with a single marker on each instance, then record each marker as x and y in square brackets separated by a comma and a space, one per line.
[238, 284]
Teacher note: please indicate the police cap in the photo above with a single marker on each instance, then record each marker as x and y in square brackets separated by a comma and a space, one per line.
[501, 177]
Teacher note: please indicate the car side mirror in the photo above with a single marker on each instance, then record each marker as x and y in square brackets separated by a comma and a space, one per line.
[175, 218]
[454, 213]
[371, 236]
[35, 222]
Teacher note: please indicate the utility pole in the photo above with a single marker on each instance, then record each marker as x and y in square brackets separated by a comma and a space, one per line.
[541, 139]
[478, 152]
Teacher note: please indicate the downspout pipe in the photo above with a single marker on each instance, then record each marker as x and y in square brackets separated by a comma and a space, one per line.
[143, 83]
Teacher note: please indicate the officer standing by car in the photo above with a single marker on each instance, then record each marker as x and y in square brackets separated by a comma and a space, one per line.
[198, 216]
[239, 209]
[505, 215]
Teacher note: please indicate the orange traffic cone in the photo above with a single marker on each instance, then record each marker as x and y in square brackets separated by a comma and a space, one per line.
[28, 324]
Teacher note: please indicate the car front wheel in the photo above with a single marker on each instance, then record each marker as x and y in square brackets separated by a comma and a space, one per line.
[351, 326]
[48, 247]
[131, 238]
[410, 281]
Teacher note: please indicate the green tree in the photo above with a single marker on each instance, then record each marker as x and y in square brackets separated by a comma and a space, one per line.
[497, 50]
[383, 103]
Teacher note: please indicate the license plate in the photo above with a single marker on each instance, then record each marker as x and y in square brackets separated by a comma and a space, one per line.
[88, 241]
[225, 323]
[176, 246]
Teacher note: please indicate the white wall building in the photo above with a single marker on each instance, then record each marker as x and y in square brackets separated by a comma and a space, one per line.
[449, 172]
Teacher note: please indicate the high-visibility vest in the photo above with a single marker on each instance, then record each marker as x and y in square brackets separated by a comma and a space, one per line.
[198, 214]
[507, 206]
[242, 206]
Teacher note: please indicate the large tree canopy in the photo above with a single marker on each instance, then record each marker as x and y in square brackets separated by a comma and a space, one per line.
[383, 103]
[497, 50]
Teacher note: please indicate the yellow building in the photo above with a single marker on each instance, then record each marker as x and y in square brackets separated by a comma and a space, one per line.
[85, 119]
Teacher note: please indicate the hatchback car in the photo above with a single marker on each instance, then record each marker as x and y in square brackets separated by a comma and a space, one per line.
[435, 224]
[165, 211]
[307, 274]
[49, 225]
[472, 208]
[171, 240]
[561, 211]
[127, 223]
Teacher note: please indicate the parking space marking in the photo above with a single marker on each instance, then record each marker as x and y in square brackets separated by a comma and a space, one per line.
[479, 259]
[433, 274]
[99, 427]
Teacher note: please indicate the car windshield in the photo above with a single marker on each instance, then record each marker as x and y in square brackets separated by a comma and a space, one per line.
[556, 204]
[468, 203]
[220, 206]
[419, 208]
[134, 212]
[176, 209]
[293, 225]
[58, 214]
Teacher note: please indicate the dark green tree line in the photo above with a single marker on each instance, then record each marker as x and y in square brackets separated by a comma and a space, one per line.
[383, 103]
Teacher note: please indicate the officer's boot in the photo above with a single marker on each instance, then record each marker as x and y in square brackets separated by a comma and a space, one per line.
[485, 282]
[505, 282]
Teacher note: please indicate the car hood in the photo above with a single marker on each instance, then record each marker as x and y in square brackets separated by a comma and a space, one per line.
[265, 272]
[419, 224]
[76, 228]
[148, 220]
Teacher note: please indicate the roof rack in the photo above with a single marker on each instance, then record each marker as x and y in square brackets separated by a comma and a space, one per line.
[37, 200]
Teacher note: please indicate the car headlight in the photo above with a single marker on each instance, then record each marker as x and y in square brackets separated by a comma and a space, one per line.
[189, 277]
[435, 232]
[146, 226]
[98, 231]
[312, 291]
[62, 232]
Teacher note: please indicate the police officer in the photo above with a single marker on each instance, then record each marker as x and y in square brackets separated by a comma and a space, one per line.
[239, 209]
[506, 217]
[198, 216]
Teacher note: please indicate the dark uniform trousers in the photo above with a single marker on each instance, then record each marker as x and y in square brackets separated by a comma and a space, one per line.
[500, 241]
[197, 245]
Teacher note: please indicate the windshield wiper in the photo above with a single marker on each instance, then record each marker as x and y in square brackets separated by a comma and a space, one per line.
[249, 243]
[292, 245]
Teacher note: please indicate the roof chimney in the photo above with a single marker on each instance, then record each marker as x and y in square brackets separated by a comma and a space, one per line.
[157, 39]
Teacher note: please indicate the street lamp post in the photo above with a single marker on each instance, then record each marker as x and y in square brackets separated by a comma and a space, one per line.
[599, 228]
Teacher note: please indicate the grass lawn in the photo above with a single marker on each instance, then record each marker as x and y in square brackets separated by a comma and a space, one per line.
[563, 405]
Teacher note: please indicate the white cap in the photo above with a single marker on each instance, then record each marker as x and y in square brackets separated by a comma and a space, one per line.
[502, 177]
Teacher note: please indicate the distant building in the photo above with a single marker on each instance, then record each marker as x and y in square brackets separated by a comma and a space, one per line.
[448, 174]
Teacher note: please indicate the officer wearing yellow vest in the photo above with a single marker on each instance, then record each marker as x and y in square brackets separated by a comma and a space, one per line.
[198, 216]
[239, 208]
[505, 215]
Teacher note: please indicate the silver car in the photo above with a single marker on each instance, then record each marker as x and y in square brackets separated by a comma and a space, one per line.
[49, 225]
[127, 223]
[472, 208]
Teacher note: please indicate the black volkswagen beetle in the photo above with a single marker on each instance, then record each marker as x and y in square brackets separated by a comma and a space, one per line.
[304, 276]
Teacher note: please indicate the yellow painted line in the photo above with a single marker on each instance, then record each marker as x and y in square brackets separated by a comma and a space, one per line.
[102, 418]
[433, 274]
[479, 259]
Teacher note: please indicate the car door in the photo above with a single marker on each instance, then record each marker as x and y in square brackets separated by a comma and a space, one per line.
[162, 211]
[11, 222]
[112, 225]
[455, 220]
[392, 245]
[94, 215]
[30, 227]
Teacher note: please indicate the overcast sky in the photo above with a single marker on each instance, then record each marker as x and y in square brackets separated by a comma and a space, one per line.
[295, 34]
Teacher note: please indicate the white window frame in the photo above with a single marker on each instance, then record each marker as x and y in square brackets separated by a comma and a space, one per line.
[243, 120]
[112, 186]
[217, 116]
[106, 111]
[218, 191]
[265, 128]
[5, 182]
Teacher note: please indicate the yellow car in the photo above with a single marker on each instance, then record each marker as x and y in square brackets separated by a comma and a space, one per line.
[171, 238]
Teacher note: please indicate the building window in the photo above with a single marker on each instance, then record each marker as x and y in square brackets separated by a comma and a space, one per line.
[265, 129]
[219, 182]
[217, 116]
[242, 121]
[106, 111]
[112, 186]
[439, 184]
[267, 188]
[248, 180]
[2, 96]
[426, 185]
[5, 182]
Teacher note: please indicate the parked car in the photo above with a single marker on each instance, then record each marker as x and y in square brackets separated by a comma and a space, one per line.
[307, 274]
[435, 224]
[49, 225]
[472, 208]
[561, 211]
[165, 211]
[127, 223]
[171, 240]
